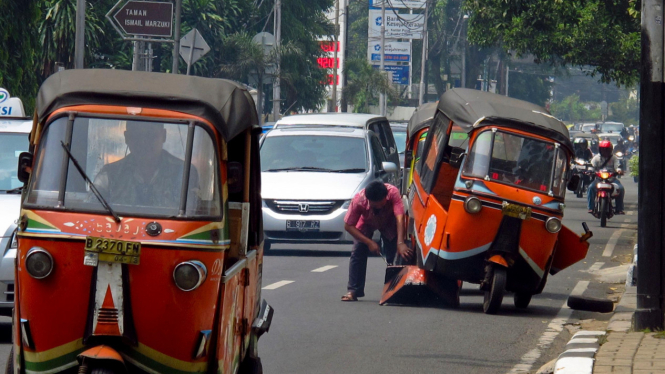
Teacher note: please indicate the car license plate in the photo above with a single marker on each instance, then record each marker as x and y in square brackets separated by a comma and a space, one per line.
[516, 211]
[297, 225]
[111, 250]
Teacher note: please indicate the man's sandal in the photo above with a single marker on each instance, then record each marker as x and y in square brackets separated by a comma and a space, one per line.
[350, 296]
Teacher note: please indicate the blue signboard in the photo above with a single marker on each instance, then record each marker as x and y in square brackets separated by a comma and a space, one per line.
[400, 73]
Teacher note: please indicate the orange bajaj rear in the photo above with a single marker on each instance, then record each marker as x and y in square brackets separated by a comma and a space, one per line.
[139, 243]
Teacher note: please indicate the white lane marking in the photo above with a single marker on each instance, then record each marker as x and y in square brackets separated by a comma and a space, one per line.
[609, 248]
[596, 267]
[553, 329]
[276, 285]
[324, 268]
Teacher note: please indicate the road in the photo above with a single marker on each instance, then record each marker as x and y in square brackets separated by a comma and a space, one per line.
[313, 332]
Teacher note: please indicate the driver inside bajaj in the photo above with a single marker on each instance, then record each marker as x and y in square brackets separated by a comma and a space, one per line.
[148, 175]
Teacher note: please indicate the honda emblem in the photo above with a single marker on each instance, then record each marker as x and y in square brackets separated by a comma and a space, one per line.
[303, 207]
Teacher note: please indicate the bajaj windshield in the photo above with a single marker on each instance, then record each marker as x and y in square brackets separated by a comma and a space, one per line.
[138, 167]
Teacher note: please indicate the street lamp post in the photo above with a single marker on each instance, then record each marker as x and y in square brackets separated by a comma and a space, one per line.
[79, 41]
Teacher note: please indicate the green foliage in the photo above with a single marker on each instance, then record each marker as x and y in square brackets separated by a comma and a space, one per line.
[604, 34]
[571, 109]
[365, 84]
[529, 87]
[634, 166]
[626, 110]
[19, 49]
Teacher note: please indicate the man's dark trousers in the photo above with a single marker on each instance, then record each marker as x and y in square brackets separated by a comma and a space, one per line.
[358, 262]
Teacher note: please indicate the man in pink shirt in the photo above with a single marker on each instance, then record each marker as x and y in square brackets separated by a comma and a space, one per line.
[377, 207]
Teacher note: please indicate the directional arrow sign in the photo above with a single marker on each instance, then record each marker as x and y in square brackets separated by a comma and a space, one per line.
[146, 18]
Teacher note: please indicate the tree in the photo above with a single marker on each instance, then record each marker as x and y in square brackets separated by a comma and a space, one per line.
[626, 110]
[18, 49]
[571, 109]
[529, 87]
[365, 84]
[604, 34]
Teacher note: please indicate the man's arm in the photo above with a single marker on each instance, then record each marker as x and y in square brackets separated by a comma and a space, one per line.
[402, 248]
[359, 236]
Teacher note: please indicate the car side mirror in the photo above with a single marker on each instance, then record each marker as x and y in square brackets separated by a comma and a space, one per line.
[24, 166]
[573, 183]
[389, 167]
[234, 176]
[456, 157]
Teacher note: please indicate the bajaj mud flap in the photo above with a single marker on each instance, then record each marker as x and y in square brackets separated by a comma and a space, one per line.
[409, 284]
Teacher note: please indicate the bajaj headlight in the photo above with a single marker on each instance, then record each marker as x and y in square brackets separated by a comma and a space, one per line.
[472, 205]
[38, 263]
[553, 225]
[189, 275]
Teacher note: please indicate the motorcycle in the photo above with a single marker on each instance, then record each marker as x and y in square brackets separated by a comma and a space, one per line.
[622, 160]
[583, 168]
[606, 191]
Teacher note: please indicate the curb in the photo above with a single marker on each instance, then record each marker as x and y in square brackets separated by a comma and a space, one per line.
[579, 356]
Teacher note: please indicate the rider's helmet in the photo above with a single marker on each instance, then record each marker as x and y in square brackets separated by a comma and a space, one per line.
[605, 148]
[582, 143]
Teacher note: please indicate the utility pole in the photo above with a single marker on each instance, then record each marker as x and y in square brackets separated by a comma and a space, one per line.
[507, 78]
[79, 42]
[382, 96]
[463, 80]
[651, 242]
[276, 89]
[176, 37]
[343, 101]
[335, 48]
[423, 62]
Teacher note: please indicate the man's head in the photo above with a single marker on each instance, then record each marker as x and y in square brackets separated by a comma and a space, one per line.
[582, 143]
[605, 148]
[145, 139]
[376, 193]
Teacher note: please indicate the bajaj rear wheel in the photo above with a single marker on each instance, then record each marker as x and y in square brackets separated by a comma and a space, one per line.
[494, 295]
[603, 212]
[522, 299]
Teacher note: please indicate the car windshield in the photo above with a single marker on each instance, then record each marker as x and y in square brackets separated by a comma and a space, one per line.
[588, 128]
[314, 153]
[400, 140]
[137, 166]
[11, 145]
[517, 160]
[614, 127]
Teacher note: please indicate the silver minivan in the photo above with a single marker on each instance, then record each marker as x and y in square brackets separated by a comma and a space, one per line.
[13, 140]
[309, 175]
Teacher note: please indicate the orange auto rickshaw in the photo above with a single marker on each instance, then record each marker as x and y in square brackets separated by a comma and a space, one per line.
[139, 242]
[488, 209]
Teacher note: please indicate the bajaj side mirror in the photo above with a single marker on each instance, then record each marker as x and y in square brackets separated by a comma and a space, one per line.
[24, 166]
[573, 182]
[234, 177]
[456, 157]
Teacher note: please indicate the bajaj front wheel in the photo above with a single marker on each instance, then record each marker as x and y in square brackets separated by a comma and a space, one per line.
[494, 295]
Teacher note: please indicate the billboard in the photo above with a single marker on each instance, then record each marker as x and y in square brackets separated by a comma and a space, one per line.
[398, 4]
[398, 26]
[400, 73]
[393, 51]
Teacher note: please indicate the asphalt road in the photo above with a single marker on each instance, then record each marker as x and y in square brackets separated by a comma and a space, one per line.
[313, 332]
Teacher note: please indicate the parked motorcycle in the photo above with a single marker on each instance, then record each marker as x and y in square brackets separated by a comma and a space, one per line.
[606, 191]
[584, 169]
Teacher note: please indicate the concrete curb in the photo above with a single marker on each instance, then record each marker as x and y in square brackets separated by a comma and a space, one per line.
[579, 355]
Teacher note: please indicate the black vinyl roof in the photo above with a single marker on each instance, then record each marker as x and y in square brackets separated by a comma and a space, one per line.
[224, 103]
[474, 109]
[421, 118]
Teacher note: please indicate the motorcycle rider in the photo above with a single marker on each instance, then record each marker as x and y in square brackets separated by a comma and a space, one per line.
[605, 159]
[582, 149]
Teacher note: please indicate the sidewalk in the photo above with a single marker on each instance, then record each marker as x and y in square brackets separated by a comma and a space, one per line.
[618, 350]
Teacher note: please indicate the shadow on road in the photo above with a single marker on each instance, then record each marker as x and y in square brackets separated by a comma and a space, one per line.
[5, 333]
[306, 253]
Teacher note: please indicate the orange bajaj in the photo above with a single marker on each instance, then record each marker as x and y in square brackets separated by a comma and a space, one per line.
[139, 245]
[489, 210]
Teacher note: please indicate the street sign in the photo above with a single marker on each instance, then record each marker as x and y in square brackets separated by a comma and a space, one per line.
[398, 4]
[394, 51]
[193, 47]
[266, 40]
[146, 18]
[399, 73]
[398, 26]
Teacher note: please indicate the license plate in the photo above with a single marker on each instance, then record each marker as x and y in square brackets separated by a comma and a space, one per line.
[293, 225]
[516, 211]
[111, 250]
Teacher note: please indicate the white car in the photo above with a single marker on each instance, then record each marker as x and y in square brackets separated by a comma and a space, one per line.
[14, 132]
[309, 176]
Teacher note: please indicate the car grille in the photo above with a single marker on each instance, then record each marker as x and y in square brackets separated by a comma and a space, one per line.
[9, 294]
[303, 207]
[296, 235]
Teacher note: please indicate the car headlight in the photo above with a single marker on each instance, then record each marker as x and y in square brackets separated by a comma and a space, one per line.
[264, 204]
[38, 263]
[346, 204]
[472, 205]
[553, 225]
[189, 275]
[13, 244]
